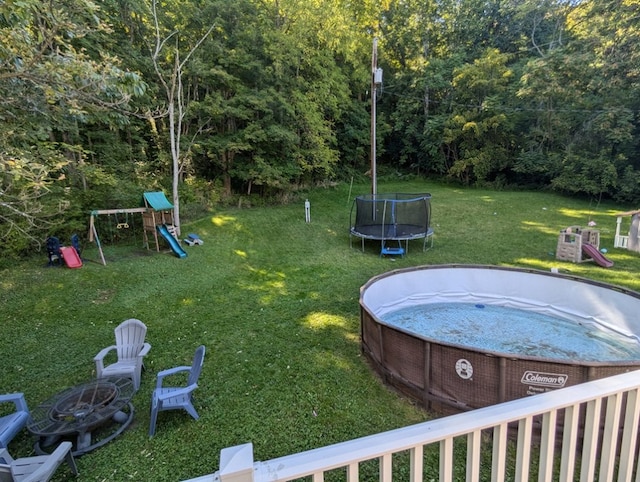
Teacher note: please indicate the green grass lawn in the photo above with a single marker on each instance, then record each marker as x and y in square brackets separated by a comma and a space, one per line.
[275, 301]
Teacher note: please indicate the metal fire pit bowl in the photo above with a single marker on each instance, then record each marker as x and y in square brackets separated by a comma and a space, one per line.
[90, 414]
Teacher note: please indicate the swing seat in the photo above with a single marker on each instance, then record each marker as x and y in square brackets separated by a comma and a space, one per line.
[392, 251]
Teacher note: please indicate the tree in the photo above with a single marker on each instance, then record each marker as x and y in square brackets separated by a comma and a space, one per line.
[273, 84]
[407, 51]
[49, 85]
[480, 131]
[169, 67]
[585, 92]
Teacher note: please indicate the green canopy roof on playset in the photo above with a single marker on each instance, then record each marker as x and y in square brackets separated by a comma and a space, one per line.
[157, 201]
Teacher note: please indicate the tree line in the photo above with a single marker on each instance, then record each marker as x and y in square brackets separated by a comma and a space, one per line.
[211, 100]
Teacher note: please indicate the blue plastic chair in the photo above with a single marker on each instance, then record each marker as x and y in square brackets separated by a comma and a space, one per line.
[11, 424]
[53, 251]
[176, 398]
[75, 242]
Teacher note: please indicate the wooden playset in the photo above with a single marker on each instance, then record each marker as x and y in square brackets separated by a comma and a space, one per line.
[157, 211]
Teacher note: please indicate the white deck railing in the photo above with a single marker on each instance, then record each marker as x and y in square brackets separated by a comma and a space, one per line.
[581, 431]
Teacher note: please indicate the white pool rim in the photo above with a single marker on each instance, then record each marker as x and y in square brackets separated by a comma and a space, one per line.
[561, 296]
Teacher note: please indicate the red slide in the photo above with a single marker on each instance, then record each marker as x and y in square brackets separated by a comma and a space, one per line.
[591, 251]
[70, 257]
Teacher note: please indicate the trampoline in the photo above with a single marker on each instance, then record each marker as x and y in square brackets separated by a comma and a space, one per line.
[391, 217]
[469, 371]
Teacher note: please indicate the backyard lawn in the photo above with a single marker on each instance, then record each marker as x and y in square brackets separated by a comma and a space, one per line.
[275, 301]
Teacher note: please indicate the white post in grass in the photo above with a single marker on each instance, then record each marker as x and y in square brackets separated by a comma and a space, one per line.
[307, 211]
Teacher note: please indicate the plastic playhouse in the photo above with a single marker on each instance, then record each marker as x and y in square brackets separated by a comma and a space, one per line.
[631, 240]
[579, 245]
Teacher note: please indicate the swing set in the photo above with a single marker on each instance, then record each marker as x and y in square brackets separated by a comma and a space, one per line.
[157, 211]
[93, 232]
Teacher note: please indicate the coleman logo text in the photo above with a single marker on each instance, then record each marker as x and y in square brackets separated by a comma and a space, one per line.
[555, 380]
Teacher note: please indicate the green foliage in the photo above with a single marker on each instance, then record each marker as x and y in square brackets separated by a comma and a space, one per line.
[31, 204]
[49, 86]
[628, 187]
[590, 176]
[479, 130]
[270, 119]
[530, 93]
[199, 197]
[565, 95]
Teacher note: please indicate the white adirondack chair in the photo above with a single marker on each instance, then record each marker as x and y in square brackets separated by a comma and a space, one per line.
[130, 348]
[35, 469]
[176, 398]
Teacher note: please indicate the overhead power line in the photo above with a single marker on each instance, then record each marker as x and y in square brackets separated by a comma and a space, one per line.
[421, 99]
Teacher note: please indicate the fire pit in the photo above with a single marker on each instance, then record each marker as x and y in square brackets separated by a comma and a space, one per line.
[91, 414]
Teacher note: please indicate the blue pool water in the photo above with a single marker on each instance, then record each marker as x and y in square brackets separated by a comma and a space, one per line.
[512, 331]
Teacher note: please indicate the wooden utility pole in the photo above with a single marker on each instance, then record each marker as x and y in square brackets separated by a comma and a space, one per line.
[374, 68]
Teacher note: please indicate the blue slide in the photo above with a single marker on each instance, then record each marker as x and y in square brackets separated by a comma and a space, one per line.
[173, 242]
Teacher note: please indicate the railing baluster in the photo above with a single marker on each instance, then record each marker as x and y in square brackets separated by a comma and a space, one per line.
[446, 460]
[474, 443]
[569, 442]
[629, 436]
[416, 455]
[610, 437]
[386, 466]
[523, 458]
[353, 472]
[547, 444]
[498, 457]
[590, 440]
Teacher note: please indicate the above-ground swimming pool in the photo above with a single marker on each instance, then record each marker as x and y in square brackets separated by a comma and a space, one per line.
[460, 337]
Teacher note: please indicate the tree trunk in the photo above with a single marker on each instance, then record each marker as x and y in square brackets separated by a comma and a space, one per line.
[175, 157]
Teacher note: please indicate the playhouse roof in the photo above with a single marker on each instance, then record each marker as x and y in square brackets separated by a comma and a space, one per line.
[629, 213]
[157, 201]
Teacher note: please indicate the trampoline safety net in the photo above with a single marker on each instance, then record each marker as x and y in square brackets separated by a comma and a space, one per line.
[394, 216]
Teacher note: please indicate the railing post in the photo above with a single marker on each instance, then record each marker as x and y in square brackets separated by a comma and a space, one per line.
[236, 464]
